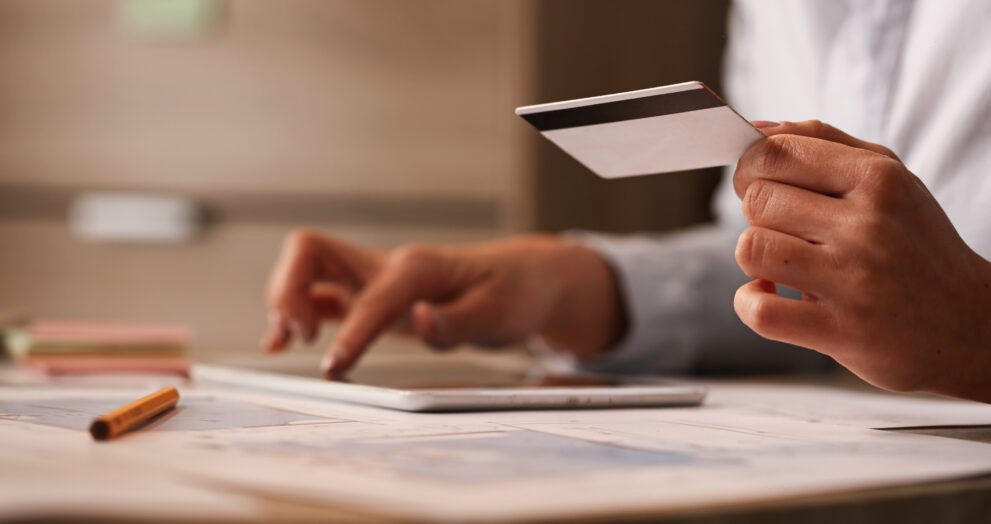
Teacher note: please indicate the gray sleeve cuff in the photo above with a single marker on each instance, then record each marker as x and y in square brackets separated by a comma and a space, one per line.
[652, 279]
[678, 292]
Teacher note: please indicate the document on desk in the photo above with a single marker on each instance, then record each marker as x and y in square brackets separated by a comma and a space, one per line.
[748, 444]
[49, 471]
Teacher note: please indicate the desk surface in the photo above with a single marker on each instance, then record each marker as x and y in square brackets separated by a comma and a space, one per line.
[963, 500]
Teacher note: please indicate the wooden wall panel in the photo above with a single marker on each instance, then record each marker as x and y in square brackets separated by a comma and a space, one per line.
[214, 285]
[591, 47]
[384, 121]
[342, 96]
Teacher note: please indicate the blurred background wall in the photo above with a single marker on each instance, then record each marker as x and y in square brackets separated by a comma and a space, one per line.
[381, 121]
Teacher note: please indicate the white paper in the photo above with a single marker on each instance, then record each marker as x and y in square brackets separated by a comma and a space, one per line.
[62, 474]
[749, 443]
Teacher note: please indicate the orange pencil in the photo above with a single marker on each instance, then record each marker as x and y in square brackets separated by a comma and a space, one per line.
[134, 414]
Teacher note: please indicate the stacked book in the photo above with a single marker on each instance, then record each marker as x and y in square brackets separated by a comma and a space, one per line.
[77, 347]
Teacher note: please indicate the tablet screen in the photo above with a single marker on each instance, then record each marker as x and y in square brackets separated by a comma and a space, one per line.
[480, 379]
[455, 384]
[442, 373]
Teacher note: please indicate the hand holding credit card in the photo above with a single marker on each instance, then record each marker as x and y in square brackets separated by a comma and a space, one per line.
[646, 132]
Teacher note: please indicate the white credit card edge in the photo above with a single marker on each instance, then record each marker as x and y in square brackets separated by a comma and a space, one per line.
[608, 151]
[613, 97]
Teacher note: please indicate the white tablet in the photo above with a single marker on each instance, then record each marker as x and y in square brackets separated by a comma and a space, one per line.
[478, 390]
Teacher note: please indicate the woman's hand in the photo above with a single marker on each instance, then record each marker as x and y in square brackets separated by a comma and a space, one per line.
[890, 290]
[487, 294]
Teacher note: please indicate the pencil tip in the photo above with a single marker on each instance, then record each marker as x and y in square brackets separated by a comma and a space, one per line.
[100, 430]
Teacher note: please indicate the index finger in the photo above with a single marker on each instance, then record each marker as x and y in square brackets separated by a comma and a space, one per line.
[818, 165]
[819, 129]
[382, 303]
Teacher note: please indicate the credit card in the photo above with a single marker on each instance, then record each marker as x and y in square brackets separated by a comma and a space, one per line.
[646, 132]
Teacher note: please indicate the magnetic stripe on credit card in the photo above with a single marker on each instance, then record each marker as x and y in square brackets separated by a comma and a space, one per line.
[622, 110]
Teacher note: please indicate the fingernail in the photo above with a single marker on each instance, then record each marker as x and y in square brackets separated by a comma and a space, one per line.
[763, 124]
[327, 363]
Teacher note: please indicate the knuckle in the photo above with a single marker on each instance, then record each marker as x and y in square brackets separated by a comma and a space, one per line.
[301, 240]
[885, 181]
[776, 149]
[412, 256]
[757, 200]
[818, 127]
[755, 313]
[760, 160]
[301, 235]
[284, 300]
[886, 151]
[882, 169]
[750, 250]
[761, 316]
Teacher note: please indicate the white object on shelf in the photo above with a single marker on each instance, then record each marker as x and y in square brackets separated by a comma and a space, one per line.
[135, 217]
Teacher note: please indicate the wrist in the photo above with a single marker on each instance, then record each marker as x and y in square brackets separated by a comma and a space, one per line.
[978, 382]
[588, 315]
[969, 373]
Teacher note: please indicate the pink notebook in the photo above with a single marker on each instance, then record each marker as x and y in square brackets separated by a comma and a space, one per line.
[45, 331]
[100, 365]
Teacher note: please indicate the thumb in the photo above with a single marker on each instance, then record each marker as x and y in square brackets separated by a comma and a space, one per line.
[472, 317]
